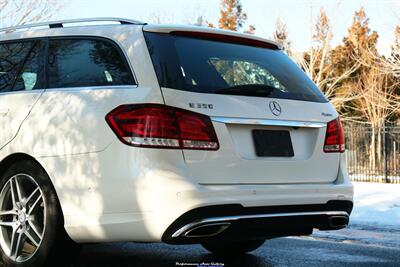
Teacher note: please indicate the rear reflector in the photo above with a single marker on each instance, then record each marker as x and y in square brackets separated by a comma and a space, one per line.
[334, 138]
[155, 125]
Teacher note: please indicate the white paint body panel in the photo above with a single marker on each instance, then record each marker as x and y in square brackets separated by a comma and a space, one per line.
[14, 109]
[112, 192]
[236, 161]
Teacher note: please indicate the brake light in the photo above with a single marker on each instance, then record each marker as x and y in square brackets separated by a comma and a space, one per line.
[226, 38]
[155, 125]
[334, 138]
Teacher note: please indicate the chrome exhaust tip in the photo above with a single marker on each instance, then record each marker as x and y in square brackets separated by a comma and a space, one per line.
[338, 221]
[207, 230]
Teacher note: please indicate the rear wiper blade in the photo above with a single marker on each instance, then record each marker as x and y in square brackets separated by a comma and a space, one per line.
[247, 90]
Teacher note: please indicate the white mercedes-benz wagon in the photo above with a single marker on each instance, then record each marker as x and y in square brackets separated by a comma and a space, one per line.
[115, 130]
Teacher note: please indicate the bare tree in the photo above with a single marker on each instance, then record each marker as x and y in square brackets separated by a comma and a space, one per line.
[281, 36]
[394, 60]
[17, 12]
[377, 90]
[376, 101]
[389, 65]
[318, 65]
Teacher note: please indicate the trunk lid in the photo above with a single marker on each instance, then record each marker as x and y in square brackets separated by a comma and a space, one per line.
[236, 162]
[270, 119]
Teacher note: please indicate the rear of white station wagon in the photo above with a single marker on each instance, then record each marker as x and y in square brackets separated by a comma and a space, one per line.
[151, 133]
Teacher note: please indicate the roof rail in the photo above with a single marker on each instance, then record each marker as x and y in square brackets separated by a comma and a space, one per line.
[60, 23]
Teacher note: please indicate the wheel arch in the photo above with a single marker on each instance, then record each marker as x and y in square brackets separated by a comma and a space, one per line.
[9, 160]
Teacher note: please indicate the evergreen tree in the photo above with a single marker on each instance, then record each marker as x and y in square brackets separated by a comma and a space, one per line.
[360, 43]
[372, 86]
[232, 17]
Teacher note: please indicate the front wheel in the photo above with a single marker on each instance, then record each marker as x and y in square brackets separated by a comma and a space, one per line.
[233, 248]
[31, 228]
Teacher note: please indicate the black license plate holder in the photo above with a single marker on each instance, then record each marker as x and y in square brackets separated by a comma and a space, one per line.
[273, 143]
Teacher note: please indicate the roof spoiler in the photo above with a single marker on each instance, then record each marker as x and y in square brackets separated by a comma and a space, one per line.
[213, 34]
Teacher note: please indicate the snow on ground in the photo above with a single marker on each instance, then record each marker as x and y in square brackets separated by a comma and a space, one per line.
[375, 218]
[376, 205]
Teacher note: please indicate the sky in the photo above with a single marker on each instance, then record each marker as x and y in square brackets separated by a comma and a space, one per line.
[299, 15]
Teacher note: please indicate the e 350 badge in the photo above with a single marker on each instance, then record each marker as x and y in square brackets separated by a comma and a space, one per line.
[201, 105]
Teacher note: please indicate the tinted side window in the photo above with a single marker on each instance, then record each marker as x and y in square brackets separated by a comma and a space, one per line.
[31, 76]
[80, 63]
[12, 57]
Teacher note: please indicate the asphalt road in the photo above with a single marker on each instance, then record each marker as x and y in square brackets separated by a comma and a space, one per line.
[302, 251]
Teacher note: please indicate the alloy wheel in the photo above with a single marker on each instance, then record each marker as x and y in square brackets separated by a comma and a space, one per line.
[22, 217]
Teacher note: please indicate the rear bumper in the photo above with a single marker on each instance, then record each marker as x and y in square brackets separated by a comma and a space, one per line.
[235, 212]
[235, 222]
[138, 194]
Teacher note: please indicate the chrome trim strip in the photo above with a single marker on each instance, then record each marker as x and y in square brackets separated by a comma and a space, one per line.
[214, 220]
[307, 124]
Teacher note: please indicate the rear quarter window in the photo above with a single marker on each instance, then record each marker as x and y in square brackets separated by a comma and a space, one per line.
[86, 62]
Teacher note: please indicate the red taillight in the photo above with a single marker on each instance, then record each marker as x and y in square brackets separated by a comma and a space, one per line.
[154, 125]
[334, 138]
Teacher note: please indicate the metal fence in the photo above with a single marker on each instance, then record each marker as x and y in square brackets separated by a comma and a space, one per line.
[373, 155]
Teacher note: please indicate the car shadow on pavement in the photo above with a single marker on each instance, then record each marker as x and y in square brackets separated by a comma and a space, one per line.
[160, 255]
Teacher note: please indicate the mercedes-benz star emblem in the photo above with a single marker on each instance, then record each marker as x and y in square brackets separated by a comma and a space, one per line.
[275, 108]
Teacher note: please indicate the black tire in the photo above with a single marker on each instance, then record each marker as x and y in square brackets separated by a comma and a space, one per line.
[233, 248]
[55, 244]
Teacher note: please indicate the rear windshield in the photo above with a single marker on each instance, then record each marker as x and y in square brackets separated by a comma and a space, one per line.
[215, 67]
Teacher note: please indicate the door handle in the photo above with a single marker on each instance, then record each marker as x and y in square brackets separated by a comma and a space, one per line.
[4, 112]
